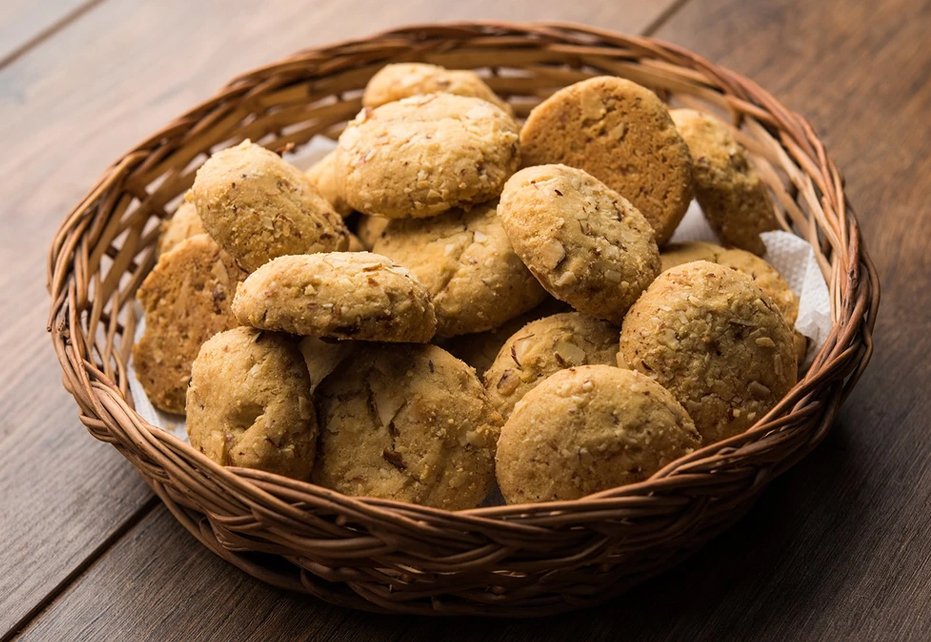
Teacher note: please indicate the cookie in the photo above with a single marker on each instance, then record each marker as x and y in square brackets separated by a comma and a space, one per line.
[423, 155]
[400, 80]
[408, 423]
[258, 207]
[584, 242]
[322, 356]
[325, 176]
[466, 262]
[249, 403]
[588, 429]
[620, 133]
[355, 244]
[480, 349]
[339, 295]
[183, 225]
[733, 197]
[186, 298]
[716, 341]
[763, 274]
[369, 228]
[543, 347]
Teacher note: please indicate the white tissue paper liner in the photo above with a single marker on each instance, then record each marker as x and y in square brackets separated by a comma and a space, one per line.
[792, 257]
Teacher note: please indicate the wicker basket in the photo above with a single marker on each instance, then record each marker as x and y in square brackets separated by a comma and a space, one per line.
[387, 556]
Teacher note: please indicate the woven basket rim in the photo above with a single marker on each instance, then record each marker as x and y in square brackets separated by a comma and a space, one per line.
[839, 362]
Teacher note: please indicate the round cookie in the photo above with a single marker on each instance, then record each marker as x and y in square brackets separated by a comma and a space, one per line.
[339, 295]
[543, 347]
[588, 429]
[249, 403]
[325, 176]
[186, 298]
[620, 133]
[583, 241]
[257, 207]
[423, 155]
[400, 80]
[183, 225]
[713, 339]
[763, 274]
[466, 262]
[369, 228]
[733, 198]
[408, 423]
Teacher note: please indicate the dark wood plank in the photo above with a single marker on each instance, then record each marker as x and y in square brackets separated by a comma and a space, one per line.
[130, 68]
[26, 23]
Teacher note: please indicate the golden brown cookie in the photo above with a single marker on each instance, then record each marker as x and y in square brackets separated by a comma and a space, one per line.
[480, 349]
[249, 403]
[763, 274]
[369, 228]
[321, 356]
[257, 207]
[186, 298]
[183, 225]
[400, 80]
[423, 155]
[620, 133]
[410, 423]
[583, 241]
[466, 262]
[339, 295]
[589, 429]
[732, 196]
[355, 244]
[325, 176]
[543, 347]
[716, 341]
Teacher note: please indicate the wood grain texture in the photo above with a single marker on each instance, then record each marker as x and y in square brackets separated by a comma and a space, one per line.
[68, 107]
[25, 24]
[837, 549]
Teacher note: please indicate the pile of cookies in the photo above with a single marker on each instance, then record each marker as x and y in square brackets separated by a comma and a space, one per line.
[452, 299]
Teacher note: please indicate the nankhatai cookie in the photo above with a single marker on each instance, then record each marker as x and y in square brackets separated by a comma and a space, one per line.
[465, 260]
[249, 403]
[409, 423]
[257, 207]
[716, 341]
[620, 133]
[543, 347]
[589, 429]
[400, 80]
[186, 298]
[369, 228]
[325, 176]
[321, 356]
[423, 155]
[584, 242]
[183, 225]
[339, 295]
[732, 195]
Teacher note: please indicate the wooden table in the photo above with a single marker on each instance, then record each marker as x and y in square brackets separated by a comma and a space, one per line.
[839, 548]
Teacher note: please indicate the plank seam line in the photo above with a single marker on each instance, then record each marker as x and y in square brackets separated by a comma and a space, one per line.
[663, 17]
[81, 568]
[48, 32]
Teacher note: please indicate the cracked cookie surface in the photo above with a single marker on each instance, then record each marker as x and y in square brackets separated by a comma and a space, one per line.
[339, 295]
[400, 80]
[466, 262]
[620, 133]
[423, 155]
[716, 341]
[588, 429]
[585, 243]
[249, 403]
[543, 347]
[258, 207]
[409, 423]
[186, 298]
[733, 197]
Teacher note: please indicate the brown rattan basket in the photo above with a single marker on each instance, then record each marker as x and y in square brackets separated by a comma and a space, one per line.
[387, 556]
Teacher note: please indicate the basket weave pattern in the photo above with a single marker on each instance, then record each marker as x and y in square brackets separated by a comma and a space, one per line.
[381, 555]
